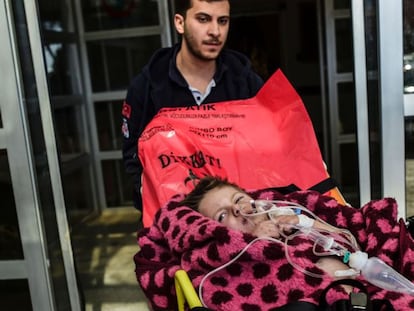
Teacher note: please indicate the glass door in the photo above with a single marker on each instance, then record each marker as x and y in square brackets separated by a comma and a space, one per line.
[36, 264]
[341, 104]
[117, 39]
[60, 45]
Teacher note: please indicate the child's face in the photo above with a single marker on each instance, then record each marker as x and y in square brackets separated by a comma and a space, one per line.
[224, 205]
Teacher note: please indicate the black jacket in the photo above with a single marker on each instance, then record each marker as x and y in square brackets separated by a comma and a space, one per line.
[160, 84]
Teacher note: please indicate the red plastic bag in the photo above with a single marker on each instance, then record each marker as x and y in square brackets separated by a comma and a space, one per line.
[265, 141]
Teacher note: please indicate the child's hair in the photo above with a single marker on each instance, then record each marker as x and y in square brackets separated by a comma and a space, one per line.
[206, 184]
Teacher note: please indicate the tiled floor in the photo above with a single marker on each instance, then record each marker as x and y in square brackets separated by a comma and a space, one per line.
[104, 248]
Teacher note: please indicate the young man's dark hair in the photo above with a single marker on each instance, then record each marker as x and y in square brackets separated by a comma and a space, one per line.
[181, 6]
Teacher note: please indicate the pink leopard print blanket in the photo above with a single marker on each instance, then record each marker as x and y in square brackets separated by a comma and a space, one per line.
[262, 278]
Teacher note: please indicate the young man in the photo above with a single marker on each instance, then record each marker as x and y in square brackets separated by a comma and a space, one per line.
[196, 71]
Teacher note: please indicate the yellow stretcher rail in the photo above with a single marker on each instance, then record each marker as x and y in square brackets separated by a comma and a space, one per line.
[185, 291]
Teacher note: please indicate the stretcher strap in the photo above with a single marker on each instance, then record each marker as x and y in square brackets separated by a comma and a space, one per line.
[325, 185]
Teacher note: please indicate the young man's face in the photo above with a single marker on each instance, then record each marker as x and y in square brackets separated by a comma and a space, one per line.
[205, 28]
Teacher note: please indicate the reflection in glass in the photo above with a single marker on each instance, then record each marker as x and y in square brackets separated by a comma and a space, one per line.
[54, 15]
[258, 37]
[371, 33]
[408, 7]
[371, 39]
[68, 133]
[374, 138]
[113, 63]
[108, 14]
[409, 73]
[118, 185]
[10, 242]
[341, 4]
[346, 106]
[344, 45]
[15, 295]
[108, 124]
[60, 68]
[408, 46]
[78, 192]
[409, 164]
[350, 175]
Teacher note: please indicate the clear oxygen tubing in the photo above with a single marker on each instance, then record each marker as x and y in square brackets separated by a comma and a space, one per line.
[337, 246]
[333, 241]
[260, 207]
[278, 207]
[339, 242]
[373, 269]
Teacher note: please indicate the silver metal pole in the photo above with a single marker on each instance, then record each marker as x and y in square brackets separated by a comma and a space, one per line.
[360, 81]
[390, 17]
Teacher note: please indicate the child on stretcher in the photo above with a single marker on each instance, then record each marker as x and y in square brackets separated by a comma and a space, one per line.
[228, 204]
[207, 229]
[231, 206]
